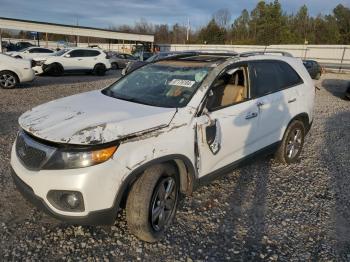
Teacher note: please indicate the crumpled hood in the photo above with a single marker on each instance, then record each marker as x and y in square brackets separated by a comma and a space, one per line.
[92, 118]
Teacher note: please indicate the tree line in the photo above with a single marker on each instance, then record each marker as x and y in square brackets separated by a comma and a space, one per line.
[266, 24]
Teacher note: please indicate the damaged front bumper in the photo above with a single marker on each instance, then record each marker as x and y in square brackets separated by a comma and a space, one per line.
[100, 217]
[99, 188]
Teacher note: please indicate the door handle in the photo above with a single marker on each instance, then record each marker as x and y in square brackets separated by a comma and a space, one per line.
[292, 100]
[80, 59]
[251, 115]
[260, 103]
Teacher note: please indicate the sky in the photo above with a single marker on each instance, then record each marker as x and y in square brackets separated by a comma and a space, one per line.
[107, 13]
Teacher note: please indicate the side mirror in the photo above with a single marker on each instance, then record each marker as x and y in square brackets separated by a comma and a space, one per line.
[67, 55]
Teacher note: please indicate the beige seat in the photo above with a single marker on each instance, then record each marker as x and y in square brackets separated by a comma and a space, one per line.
[232, 94]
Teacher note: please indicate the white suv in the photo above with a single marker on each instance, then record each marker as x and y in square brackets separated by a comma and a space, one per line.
[31, 52]
[14, 71]
[161, 130]
[73, 60]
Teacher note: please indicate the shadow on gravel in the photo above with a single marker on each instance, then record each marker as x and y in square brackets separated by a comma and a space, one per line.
[336, 87]
[336, 157]
[245, 217]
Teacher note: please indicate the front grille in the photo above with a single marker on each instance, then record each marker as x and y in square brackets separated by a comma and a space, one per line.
[32, 154]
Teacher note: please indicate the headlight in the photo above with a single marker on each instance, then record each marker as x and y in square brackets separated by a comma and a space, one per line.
[76, 159]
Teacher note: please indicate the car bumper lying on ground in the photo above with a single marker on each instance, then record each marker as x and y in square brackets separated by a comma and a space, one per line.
[38, 70]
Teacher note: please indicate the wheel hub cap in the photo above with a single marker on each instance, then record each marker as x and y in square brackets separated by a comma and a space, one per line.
[163, 203]
[294, 143]
[7, 80]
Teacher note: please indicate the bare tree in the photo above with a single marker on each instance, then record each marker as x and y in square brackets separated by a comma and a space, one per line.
[222, 17]
[143, 27]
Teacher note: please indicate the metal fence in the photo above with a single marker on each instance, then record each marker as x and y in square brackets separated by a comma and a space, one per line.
[330, 56]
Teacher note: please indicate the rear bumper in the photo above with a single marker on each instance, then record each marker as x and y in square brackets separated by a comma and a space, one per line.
[100, 217]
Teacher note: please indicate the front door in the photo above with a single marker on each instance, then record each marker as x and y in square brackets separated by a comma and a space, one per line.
[228, 129]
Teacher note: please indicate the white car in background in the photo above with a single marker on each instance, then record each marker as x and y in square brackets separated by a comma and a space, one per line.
[31, 52]
[87, 60]
[14, 71]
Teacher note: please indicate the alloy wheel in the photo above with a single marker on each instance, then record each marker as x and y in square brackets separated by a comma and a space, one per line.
[294, 143]
[7, 81]
[163, 203]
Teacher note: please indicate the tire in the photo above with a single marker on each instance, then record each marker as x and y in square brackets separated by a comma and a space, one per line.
[115, 66]
[292, 143]
[145, 206]
[54, 69]
[8, 79]
[99, 70]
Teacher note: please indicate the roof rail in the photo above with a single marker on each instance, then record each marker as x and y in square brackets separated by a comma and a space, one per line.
[189, 53]
[214, 52]
[266, 52]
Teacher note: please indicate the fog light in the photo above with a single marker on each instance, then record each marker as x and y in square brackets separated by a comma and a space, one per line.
[71, 201]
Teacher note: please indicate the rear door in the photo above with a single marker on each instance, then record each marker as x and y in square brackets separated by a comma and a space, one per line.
[274, 85]
[90, 58]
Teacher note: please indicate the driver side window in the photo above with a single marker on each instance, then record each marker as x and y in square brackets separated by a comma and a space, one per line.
[229, 89]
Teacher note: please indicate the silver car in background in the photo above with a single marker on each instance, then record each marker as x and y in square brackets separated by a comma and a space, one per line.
[119, 60]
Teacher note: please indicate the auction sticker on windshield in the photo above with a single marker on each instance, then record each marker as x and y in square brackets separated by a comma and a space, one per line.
[182, 82]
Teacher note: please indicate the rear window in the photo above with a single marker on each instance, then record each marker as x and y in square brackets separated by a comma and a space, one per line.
[271, 76]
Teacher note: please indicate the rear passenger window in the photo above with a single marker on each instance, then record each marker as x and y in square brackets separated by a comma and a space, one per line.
[90, 53]
[271, 76]
[289, 76]
[77, 53]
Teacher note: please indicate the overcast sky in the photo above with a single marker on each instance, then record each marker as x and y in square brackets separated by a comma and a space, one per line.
[105, 13]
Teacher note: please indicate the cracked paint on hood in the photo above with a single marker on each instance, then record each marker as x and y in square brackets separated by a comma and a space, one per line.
[92, 118]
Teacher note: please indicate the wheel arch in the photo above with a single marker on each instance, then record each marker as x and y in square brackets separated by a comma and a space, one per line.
[183, 164]
[99, 64]
[304, 118]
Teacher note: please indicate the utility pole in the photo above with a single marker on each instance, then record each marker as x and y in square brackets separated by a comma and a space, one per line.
[188, 30]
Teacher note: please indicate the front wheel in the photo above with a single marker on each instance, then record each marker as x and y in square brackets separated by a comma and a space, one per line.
[292, 143]
[8, 79]
[152, 202]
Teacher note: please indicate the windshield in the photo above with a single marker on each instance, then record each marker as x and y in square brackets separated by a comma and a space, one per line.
[164, 84]
[61, 52]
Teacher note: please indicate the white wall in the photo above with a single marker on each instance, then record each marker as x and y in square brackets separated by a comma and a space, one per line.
[324, 54]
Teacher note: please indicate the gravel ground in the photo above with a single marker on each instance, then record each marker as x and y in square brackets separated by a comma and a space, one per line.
[262, 211]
